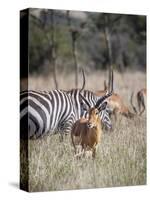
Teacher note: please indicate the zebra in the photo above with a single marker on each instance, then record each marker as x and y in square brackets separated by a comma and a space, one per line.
[42, 111]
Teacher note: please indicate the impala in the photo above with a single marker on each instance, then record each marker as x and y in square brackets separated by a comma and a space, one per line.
[86, 132]
[115, 102]
[141, 101]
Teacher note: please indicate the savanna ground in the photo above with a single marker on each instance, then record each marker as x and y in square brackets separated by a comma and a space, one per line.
[121, 156]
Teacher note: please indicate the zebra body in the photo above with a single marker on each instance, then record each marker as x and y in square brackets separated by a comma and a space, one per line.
[57, 110]
[45, 112]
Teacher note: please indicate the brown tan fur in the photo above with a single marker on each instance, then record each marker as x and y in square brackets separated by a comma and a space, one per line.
[141, 101]
[115, 103]
[87, 132]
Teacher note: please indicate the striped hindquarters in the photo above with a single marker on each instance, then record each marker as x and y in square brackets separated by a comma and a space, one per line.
[42, 112]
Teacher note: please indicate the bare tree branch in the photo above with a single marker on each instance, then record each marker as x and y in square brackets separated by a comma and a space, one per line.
[74, 35]
[50, 41]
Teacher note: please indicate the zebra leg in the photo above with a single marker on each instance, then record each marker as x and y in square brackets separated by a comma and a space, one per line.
[60, 132]
[61, 138]
[64, 129]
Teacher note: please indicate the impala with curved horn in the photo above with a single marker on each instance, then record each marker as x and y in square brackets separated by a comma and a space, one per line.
[90, 98]
[115, 101]
[86, 132]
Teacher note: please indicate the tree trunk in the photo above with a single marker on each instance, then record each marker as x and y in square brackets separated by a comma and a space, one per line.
[53, 51]
[109, 48]
[74, 51]
[120, 56]
[75, 62]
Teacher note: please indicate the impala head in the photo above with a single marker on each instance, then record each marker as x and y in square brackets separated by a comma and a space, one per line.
[100, 108]
[94, 117]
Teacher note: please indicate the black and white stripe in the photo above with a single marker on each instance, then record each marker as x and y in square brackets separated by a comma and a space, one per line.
[92, 100]
[57, 110]
[44, 112]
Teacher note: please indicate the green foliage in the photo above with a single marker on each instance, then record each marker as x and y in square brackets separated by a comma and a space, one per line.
[127, 35]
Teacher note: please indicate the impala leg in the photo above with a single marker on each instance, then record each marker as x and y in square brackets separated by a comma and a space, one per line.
[142, 110]
[143, 105]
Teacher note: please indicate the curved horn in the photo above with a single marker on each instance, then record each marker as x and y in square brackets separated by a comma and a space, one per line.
[83, 80]
[103, 98]
[112, 81]
[80, 95]
[109, 78]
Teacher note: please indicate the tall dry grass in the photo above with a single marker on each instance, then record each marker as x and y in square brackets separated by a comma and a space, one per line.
[121, 156]
[124, 84]
[120, 161]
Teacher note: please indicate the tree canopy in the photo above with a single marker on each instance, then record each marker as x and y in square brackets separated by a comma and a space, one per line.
[99, 39]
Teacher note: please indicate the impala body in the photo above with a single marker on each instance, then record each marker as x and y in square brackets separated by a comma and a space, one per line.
[86, 132]
[141, 101]
[115, 101]
[116, 104]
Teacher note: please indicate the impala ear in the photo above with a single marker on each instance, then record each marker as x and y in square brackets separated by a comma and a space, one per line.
[102, 106]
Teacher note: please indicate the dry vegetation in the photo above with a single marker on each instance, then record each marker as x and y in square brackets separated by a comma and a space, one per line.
[121, 156]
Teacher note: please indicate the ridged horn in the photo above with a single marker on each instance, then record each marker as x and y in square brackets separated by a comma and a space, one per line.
[102, 99]
[83, 80]
[112, 81]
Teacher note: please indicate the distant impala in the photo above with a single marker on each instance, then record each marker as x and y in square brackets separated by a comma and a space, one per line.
[141, 101]
[115, 102]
